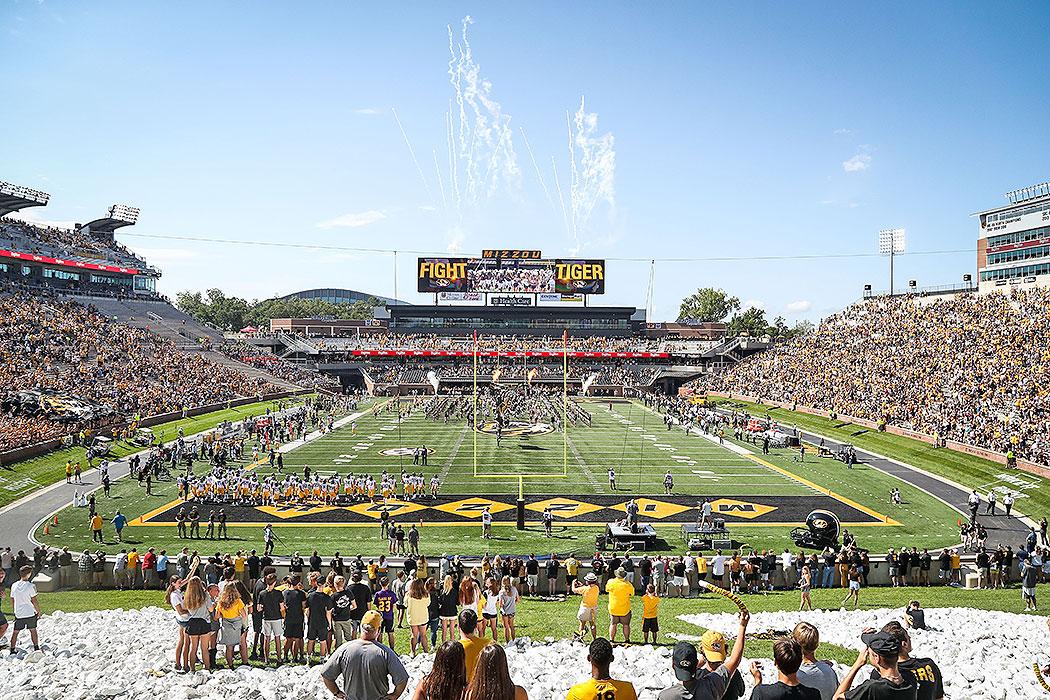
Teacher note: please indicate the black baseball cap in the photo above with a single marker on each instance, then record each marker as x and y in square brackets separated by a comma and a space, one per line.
[684, 661]
[882, 643]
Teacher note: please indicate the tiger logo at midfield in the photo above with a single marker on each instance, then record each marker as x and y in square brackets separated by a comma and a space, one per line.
[517, 428]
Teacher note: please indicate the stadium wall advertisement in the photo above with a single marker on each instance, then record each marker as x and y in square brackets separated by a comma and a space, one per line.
[30, 257]
[501, 353]
[999, 458]
[510, 276]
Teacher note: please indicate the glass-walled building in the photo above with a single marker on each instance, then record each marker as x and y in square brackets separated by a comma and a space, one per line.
[1013, 247]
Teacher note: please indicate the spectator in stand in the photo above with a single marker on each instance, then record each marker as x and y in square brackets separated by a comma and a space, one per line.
[813, 673]
[447, 679]
[620, 594]
[472, 643]
[600, 684]
[881, 651]
[787, 656]
[701, 686]
[950, 368]
[367, 668]
[491, 679]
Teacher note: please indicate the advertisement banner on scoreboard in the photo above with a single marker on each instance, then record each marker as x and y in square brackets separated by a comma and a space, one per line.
[510, 276]
[472, 297]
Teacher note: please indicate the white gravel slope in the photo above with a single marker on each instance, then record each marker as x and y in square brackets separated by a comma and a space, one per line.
[129, 655]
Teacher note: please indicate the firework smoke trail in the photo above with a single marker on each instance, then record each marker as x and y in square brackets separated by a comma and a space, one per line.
[536, 165]
[483, 130]
[594, 176]
[561, 197]
[412, 152]
[441, 183]
[453, 173]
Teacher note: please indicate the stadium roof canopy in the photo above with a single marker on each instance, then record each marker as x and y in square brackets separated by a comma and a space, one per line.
[118, 215]
[16, 197]
[340, 296]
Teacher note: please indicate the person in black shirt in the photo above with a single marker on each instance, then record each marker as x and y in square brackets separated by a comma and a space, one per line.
[254, 568]
[315, 562]
[296, 564]
[925, 561]
[362, 595]
[881, 651]
[552, 574]
[343, 605]
[294, 608]
[269, 602]
[337, 564]
[266, 561]
[319, 610]
[927, 675]
[787, 656]
[532, 574]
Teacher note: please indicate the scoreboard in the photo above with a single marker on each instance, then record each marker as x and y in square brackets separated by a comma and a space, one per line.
[511, 272]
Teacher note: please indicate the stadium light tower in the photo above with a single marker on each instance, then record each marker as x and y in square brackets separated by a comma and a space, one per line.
[891, 243]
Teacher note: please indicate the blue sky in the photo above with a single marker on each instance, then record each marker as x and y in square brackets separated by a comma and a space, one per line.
[737, 130]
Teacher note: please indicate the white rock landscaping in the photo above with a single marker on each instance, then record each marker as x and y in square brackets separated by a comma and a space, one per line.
[129, 655]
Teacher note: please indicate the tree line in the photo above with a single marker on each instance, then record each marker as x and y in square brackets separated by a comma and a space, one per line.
[230, 313]
[710, 305]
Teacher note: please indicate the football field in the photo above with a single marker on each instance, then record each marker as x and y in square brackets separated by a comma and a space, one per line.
[624, 436]
[760, 496]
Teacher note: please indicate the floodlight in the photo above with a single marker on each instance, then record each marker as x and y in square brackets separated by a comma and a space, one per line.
[891, 241]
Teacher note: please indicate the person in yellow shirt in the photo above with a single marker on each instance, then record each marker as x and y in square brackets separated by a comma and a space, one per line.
[650, 614]
[96, 528]
[472, 643]
[588, 614]
[239, 562]
[620, 594]
[600, 684]
[701, 567]
[572, 570]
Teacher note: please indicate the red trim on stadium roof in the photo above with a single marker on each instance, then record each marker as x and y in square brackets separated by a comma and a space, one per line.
[31, 257]
[494, 353]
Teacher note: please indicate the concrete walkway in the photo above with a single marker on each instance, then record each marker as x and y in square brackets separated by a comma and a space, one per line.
[1001, 529]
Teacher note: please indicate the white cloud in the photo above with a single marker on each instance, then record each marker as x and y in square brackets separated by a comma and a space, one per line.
[454, 240]
[798, 307]
[843, 132]
[428, 207]
[752, 304]
[357, 220]
[858, 163]
[368, 110]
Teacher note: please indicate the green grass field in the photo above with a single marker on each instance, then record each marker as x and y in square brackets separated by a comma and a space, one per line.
[19, 478]
[1033, 491]
[623, 435]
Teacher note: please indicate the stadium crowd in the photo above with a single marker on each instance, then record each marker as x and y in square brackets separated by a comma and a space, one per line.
[54, 346]
[975, 369]
[301, 376]
[67, 244]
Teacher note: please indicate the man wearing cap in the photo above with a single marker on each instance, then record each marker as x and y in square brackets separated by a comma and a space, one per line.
[620, 594]
[713, 650]
[881, 651]
[588, 614]
[367, 667]
[929, 683]
[600, 684]
[685, 664]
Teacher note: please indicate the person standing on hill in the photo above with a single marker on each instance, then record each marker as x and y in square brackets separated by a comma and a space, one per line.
[620, 594]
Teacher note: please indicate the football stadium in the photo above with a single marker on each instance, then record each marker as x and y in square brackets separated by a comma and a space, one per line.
[224, 472]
